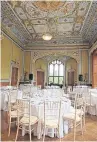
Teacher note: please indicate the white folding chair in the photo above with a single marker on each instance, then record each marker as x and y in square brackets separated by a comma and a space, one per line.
[12, 107]
[25, 119]
[52, 112]
[77, 116]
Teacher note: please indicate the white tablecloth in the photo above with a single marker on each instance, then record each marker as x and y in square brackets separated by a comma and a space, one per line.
[4, 98]
[38, 110]
[93, 101]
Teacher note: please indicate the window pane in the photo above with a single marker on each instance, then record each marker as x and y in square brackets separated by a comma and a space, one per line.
[60, 80]
[56, 80]
[56, 70]
[51, 70]
[50, 80]
[58, 62]
[54, 62]
[61, 70]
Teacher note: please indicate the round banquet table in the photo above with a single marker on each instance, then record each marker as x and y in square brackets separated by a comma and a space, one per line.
[38, 110]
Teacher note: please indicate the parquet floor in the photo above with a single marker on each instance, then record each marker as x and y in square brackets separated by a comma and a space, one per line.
[89, 135]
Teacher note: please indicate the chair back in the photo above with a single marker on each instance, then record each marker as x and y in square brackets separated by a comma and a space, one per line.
[12, 99]
[52, 110]
[79, 103]
[24, 110]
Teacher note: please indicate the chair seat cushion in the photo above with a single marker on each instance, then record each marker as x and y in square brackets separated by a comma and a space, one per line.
[53, 123]
[78, 111]
[71, 116]
[14, 107]
[25, 120]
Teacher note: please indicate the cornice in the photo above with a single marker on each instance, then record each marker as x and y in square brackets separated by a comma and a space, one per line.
[12, 40]
[65, 47]
[93, 48]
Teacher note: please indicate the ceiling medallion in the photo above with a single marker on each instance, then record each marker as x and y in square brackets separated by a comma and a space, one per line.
[49, 5]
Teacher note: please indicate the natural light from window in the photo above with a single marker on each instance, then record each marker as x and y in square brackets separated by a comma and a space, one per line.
[56, 72]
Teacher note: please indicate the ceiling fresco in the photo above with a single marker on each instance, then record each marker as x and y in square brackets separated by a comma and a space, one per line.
[69, 22]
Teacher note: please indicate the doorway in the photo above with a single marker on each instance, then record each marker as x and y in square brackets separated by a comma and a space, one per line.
[40, 78]
[14, 76]
[71, 78]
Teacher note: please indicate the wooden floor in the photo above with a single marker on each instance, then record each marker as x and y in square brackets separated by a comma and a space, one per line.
[89, 135]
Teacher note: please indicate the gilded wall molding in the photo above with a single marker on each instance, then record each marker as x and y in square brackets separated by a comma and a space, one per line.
[40, 54]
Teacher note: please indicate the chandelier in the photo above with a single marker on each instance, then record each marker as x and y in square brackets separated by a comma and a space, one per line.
[47, 36]
[51, 29]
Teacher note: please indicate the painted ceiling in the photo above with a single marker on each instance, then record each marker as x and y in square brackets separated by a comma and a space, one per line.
[69, 22]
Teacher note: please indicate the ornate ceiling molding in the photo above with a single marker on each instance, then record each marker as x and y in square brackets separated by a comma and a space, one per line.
[40, 54]
[74, 22]
[58, 47]
[93, 48]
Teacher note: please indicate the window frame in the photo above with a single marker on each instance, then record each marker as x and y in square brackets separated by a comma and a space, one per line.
[54, 76]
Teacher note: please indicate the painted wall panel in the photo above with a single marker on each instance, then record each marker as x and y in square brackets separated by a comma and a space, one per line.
[9, 52]
[84, 64]
[71, 64]
[27, 62]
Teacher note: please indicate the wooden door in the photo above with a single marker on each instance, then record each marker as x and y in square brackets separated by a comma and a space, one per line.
[14, 76]
[71, 78]
[40, 78]
[94, 73]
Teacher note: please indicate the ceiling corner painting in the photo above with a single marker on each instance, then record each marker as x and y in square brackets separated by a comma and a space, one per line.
[69, 22]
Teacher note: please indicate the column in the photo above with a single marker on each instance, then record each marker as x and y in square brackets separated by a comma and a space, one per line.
[89, 69]
[79, 66]
[64, 73]
[33, 70]
[47, 73]
[31, 63]
[23, 68]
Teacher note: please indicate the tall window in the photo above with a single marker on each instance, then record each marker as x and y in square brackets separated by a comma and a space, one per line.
[56, 72]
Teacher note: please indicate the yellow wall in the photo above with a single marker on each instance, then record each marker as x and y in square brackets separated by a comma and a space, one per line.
[9, 52]
[84, 63]
[27, 62]
[40, 64]
[71, 64]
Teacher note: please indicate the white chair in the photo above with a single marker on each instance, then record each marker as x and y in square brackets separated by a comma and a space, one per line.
[27, 91]
[52, 112]
[69, 89]
[77, 116]
[25, 120]
[12, 107]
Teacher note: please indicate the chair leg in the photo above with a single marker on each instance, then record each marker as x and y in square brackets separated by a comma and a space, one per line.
[59, 134]
[30, 132]
[84, 122]
[55, 133]
[81, 123]
[74, 130]
[17, 132]
[9, 126]
[95, 110]
[43, 134]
